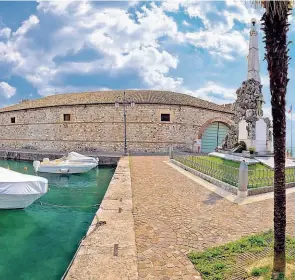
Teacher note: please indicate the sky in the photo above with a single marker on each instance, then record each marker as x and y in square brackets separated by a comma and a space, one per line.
[198, 48]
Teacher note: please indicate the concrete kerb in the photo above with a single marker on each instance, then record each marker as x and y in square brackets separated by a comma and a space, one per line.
[222, 189]
[109, 250]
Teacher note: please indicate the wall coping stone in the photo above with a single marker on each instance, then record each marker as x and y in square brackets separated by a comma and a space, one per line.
[109, 250]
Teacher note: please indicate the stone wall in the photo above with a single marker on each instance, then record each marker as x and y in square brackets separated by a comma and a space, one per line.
[101, 127]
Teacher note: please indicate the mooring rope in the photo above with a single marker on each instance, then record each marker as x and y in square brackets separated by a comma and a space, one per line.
[67, 206]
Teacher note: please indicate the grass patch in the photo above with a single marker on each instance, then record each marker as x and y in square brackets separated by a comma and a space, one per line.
[232, 260]
[228, 171]
[259, 271]
[262, 270]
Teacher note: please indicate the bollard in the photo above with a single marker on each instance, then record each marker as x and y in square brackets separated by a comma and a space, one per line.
[243, 180]
[171, 152]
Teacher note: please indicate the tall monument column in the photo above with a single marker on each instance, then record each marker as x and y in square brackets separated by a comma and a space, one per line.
[254, 75]
[249, 96]
[253, 57]
[248, 113]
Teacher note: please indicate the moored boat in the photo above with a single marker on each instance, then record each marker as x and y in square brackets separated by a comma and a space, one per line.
[64, 167]
[19, 190]
[76, 157]
[72, 163]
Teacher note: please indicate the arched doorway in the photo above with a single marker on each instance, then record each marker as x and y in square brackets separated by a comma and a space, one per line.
[213, 136]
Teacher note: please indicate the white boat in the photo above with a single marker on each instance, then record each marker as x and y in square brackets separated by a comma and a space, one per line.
[19, 190]
[75, 157]
[71, 164]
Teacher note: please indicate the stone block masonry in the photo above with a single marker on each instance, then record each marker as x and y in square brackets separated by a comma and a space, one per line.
[100, 127]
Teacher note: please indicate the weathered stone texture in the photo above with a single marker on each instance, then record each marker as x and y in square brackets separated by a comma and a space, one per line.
[248, 107]
[101, 127]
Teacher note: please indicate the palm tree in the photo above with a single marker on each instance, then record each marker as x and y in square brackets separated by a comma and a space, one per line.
[275, 26]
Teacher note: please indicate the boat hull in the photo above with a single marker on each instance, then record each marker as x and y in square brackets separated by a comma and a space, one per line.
[19, 190]
[11, 201]
[66, 169]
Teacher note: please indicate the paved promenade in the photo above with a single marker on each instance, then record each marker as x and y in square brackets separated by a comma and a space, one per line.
[173, 215]
[109, 251]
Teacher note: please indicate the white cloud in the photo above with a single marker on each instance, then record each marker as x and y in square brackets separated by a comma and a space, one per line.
[57, 7]
[5, 32]
[27, 25]
[171, 6]
[219, 35]
[16, 51]
[122, 42]
[215, 93]
[201, 10]
[224, 44]
[243, 12]
[6, 90]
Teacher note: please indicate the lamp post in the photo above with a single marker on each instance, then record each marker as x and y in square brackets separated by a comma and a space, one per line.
[125, 130]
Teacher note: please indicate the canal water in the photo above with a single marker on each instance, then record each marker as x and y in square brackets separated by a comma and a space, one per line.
[40, 241]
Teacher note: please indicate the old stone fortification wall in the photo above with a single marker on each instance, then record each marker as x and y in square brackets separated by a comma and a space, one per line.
[101, 127]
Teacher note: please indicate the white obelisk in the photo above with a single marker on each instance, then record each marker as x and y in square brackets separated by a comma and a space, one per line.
[253, 57]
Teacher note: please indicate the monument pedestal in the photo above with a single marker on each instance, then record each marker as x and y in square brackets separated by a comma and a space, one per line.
[261, 143]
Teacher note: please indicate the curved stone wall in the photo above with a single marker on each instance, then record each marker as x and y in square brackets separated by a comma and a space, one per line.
[101, 127]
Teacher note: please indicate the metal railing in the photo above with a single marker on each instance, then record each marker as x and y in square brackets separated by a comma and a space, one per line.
[222, 172]
[265, 177]
[260, 177]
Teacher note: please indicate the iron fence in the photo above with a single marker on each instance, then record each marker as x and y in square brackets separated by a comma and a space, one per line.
[257, 177]
[290, 175]
[222, 172]
[265, 177]
[260, 178]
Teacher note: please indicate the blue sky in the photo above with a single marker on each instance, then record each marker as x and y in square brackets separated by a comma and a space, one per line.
[198, 48]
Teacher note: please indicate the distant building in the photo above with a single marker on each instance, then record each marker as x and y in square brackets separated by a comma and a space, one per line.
[94, 121]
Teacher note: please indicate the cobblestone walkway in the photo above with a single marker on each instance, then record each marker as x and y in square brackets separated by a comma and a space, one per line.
[173, 214]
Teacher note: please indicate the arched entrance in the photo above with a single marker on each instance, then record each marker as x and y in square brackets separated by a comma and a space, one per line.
[213, 136]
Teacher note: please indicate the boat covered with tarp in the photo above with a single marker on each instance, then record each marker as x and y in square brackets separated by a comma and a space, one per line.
[19, 190]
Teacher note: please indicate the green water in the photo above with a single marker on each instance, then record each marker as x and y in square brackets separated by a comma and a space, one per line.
[40, 241]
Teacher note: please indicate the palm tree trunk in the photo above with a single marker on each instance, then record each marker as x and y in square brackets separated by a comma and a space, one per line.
[275, 28]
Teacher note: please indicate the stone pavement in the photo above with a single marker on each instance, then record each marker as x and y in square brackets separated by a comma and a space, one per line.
[109, 251]
[174, 215]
